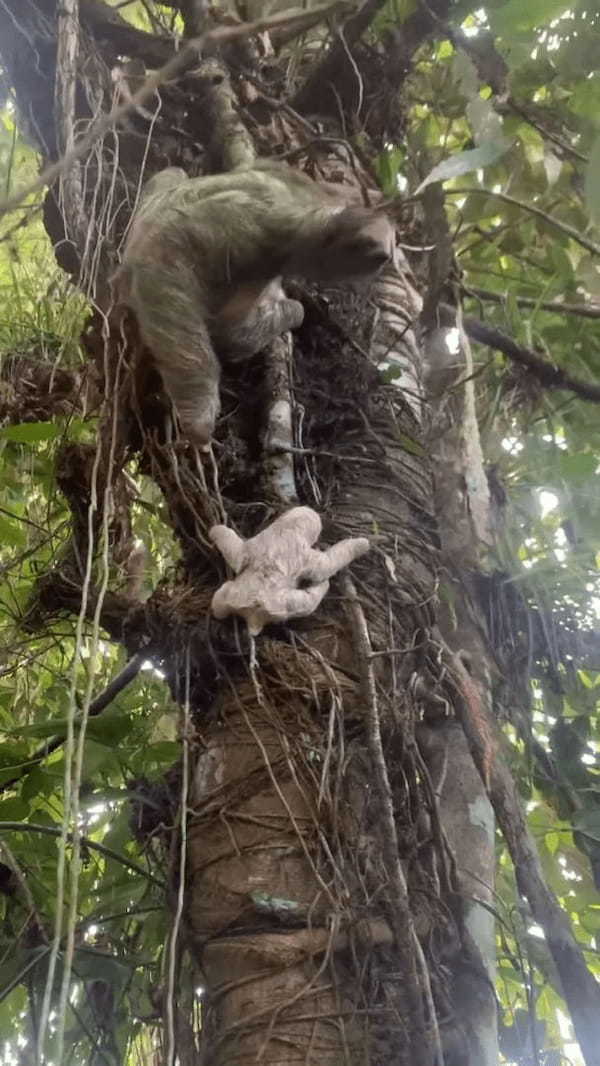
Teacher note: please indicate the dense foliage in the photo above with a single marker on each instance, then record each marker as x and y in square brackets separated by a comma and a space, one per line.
[504, 101]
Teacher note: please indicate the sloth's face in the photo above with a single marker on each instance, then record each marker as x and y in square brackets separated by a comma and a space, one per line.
[356, 244]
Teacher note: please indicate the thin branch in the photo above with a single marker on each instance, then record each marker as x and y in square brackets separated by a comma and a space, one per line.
[67, 52]
[326, 73]
[580, 988]
[569, 231]
[93, 845]
[175, 66]
[105, 24]
[19, 977]
[118, 683]
[559, 141]
[400, 916]
[551, 376]
[195, 15]
[588, 310]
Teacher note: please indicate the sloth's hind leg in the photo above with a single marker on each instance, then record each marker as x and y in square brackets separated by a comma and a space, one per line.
[169, 304]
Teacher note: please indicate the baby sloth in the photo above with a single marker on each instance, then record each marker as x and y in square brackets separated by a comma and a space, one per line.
[203, 265]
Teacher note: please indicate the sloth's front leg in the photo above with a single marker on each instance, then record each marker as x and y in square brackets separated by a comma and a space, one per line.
[253, 318]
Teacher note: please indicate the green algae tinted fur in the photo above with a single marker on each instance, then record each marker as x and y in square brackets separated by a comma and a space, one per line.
[203, 265]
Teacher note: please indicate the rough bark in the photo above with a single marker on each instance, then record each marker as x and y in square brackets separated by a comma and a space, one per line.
[294, 862]
[462, 506]
[318, 893]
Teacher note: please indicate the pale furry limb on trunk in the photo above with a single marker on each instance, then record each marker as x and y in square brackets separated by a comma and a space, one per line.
[271, 565]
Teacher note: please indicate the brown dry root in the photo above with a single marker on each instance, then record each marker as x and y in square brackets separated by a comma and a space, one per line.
[33, 390]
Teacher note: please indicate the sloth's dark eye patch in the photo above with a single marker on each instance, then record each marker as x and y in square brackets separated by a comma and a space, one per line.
[360, 246]
[304, 583]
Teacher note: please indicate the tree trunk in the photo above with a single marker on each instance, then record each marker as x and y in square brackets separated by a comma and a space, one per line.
[316, 885]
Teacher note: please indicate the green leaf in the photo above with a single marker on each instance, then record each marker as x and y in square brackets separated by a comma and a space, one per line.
[590, 919]
[592, 182]
[42, 781]
[98, 757]
[585, 99]
[485, 122]
[55, 727]
[110, 727]
[588, 822]
[410, 445]
[31, 432]
[165, 752]
[552, 841]
[464, 73]
[578, 465]
[518, 16]
[12, 532]
[14, 810]
[387, 168]
[403, 9]
[96, 965]
[463, 162]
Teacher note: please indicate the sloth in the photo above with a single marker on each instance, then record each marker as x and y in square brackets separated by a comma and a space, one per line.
[203, 265]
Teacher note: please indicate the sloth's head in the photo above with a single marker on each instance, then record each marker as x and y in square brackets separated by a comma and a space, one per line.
[354, 243]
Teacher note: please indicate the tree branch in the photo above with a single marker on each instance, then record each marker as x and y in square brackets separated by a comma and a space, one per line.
[569, 231]
[580, 989]
[326, 75]
[425, 1035]
[103, 23]
[588, 310]
[118, 683]
[93, 845]
[175, 65]
[552, 377]
[528, 114]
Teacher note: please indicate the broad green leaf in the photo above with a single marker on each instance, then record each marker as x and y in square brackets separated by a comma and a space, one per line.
[552, 841]
[14, 810]
[97, 965]
[590, 919]
[30, 432]
[592, 182]
[464, 162]
[588, 821]
[42, 781]
[110, 727]
[12, 531]
[404, 8]
[518, 16]
[165, 752]
[54, 727]
[388, 165]
[584, 101]
[465, 74]
[485, 123]
[98, 758]
[580, 465]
